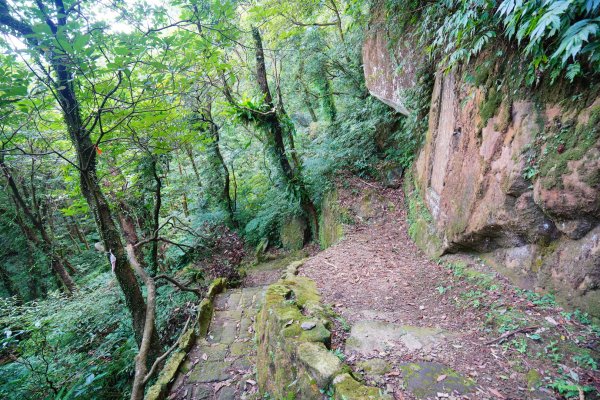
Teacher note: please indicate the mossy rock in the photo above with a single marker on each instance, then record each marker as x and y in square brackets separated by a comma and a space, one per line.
[534, 379]
[216, 287]
[205, 311]
[575, 141]
[424, 380]
[159, 390]
[331, 229]
[347, 388]
[321, 363]
[292, 233]
[375, 366]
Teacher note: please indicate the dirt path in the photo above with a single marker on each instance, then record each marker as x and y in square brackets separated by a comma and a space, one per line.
[422, 330]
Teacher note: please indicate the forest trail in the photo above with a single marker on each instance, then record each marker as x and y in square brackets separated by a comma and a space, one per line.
[419, 329]
[413, 327]
[221, 366]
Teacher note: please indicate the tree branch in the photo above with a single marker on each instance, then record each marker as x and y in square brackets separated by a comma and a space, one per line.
[180, 286]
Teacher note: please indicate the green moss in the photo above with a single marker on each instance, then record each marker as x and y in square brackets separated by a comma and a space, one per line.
[318, 334]
[305, 290]
[575, 141]
[205, 311]
[160, 389]
[422, 379]
[330, 225]
[290, 359]
[534, 379]
[375, 366]
[321, 364]
[482, 72]
[347, 388]
[292, 233]
[420, 222]
[490, 105]
[216, 287]
[504, 117]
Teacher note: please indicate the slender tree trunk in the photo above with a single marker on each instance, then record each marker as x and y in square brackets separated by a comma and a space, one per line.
[75, 227]
[215, 146]
[304, 90]
[57, 263]
[155, 216]
[311, 110]
[292, 177]
[76, 244]
[36, 284]
[190, 154]
[184, 199]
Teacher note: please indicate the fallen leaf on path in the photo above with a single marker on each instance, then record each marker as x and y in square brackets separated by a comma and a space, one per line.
[496, 393]
[251, 382]
[441, 378]
[205, 356]
[219, 385]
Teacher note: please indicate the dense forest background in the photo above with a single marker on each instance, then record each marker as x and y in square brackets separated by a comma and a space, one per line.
[146, 148]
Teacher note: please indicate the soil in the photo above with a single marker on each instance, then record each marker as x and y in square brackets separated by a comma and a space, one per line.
[376, 272]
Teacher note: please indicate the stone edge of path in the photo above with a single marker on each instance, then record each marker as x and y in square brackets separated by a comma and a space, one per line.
[293, 337]
[160, 389]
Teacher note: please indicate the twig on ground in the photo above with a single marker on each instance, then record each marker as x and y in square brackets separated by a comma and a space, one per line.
[506, 335]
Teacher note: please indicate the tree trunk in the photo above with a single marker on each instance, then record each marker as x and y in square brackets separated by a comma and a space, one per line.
[57, 263]
[184, 199]
[292, 177]
[155, 216]
[214, 132]
[190, 154]
[75, 227]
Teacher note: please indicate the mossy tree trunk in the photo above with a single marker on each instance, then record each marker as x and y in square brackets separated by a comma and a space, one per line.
[274, 122]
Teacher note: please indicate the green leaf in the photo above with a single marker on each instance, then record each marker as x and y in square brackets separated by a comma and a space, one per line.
[81, 41]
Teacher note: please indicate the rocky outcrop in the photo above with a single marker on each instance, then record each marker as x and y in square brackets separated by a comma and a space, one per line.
[383, 62]
[517, 181]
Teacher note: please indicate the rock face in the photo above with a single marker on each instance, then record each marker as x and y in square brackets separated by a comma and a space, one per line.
[381, 65]
[496, 188]
[517, 181]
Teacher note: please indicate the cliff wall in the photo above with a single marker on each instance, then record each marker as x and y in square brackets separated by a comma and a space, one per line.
[515, 180]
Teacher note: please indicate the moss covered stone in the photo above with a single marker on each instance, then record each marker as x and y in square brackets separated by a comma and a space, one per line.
[292, 233]
[375, 366]
[293, 362]
[347, 388]
[422, 379]
[567, 142]
[323, 364]
[421, 226]
[330, 226]
[534, 379]
[159, 390]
